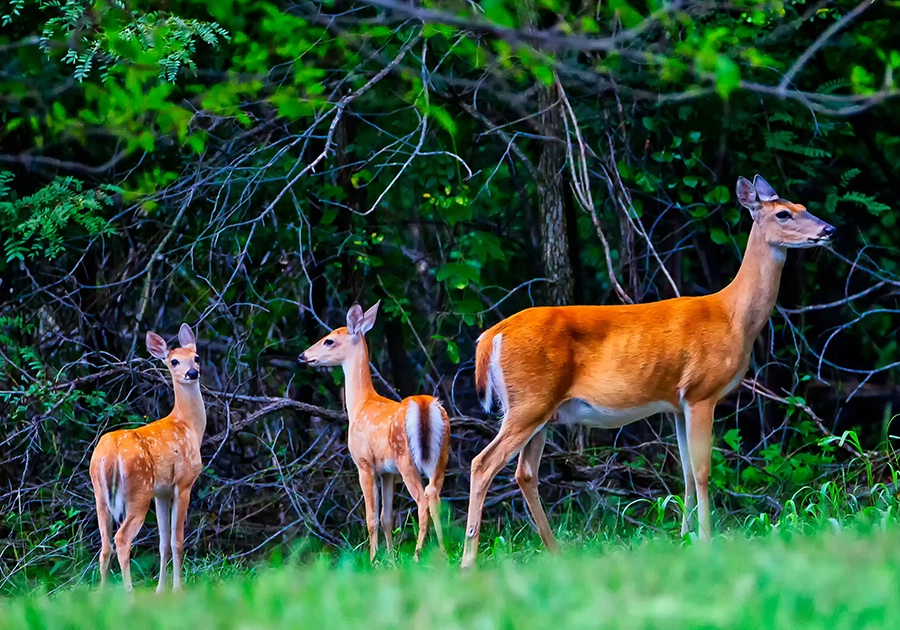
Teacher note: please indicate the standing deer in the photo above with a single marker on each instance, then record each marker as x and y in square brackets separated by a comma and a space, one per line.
[159, 461]
[386, 438]
[608, 366]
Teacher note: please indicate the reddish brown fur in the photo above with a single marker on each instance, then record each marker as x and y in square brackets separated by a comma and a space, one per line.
[377, 438]
[621, 363]
[160, 461]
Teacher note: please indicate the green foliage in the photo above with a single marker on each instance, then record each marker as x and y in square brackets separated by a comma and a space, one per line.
[40, 224]
[107, 34]
[162, 185]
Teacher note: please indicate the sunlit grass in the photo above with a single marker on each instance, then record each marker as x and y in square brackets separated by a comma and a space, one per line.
[837, 579]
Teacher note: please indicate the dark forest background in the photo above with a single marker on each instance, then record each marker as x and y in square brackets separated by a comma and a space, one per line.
[255, 167]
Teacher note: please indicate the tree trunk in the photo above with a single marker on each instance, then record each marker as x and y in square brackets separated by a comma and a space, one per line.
[551, 204]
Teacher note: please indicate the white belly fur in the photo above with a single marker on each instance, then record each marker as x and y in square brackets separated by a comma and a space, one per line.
[389, 466]
[578, 411]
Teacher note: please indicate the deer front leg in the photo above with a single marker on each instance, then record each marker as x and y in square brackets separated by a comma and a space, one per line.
[690, 489]
[387, 510]
[163, 519]
[179, 516]
[367, 483]
[699, 420]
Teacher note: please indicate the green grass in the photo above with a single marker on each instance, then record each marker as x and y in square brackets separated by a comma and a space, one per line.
[834, 578]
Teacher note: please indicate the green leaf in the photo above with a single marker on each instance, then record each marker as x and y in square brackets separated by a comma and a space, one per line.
[728, 76]
[718, 236]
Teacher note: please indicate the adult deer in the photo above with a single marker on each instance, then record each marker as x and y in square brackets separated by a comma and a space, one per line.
[386, 438]
[608, 366]
[159, 461]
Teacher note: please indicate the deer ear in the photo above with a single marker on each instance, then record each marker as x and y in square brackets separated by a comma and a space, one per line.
[156, 346]
[763, 190]
[746, 194]
[369, 317]
[186, 336]
[355, 319]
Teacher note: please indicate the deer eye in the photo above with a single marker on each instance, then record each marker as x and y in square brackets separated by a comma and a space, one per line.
[197, 360]
[784, 215]
[328, 343]
[174, 362]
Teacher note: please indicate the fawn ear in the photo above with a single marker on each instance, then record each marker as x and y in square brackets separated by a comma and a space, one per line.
[156, 346]
[186, 336]
[747, 197]
[763, 190]
[746, 194]
[369, 317]
[355, 319]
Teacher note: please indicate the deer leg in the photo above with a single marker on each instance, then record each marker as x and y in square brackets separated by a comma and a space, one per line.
[517, 429]
[387, 510]
[179, 515]
[433, 493]
[135, 513]
[163, 519]
[690, 489]
[105, 521]
[410, 475]
[367, 483]
[527, 478]
[699, 420]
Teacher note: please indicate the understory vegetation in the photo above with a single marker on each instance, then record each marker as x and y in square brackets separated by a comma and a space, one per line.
[253, 168]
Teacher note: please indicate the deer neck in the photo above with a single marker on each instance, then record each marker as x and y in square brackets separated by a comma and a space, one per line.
[189, 408]
[752, 294]
[357, 380]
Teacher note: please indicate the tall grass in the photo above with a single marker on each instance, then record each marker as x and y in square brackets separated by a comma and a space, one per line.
[834, 579]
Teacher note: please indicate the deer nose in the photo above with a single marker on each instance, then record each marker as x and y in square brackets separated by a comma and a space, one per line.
[302, 358]
[828, 230]
[193, 374]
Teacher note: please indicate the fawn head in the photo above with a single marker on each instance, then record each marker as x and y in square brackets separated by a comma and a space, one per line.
[183, 362]
[784, 223]
[334, 348]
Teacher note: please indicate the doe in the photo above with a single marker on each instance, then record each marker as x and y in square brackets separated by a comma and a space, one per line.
[386, 438]
[160, 461]
[608, 366]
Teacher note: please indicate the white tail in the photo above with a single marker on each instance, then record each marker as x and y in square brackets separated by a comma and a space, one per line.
[387, 437]
[607, 366]
[425, 432]
[159, 461]
[111, 478]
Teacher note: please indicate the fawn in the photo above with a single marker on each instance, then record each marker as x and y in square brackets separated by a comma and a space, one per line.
[386, 438]
[159, 461]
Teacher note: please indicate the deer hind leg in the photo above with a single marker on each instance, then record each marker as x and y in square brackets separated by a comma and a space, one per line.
[135, 513]
[164, 520]
[690, 489]
[410, 475]
[518, 428]
[104, 520]
[367, 484]
[527, 478]
[387, 510]
[433, 493]
[699, 420]
[180, 504]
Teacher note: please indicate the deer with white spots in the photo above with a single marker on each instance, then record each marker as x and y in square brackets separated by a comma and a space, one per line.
[159, 461]
[608, 366]
[386, 438]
